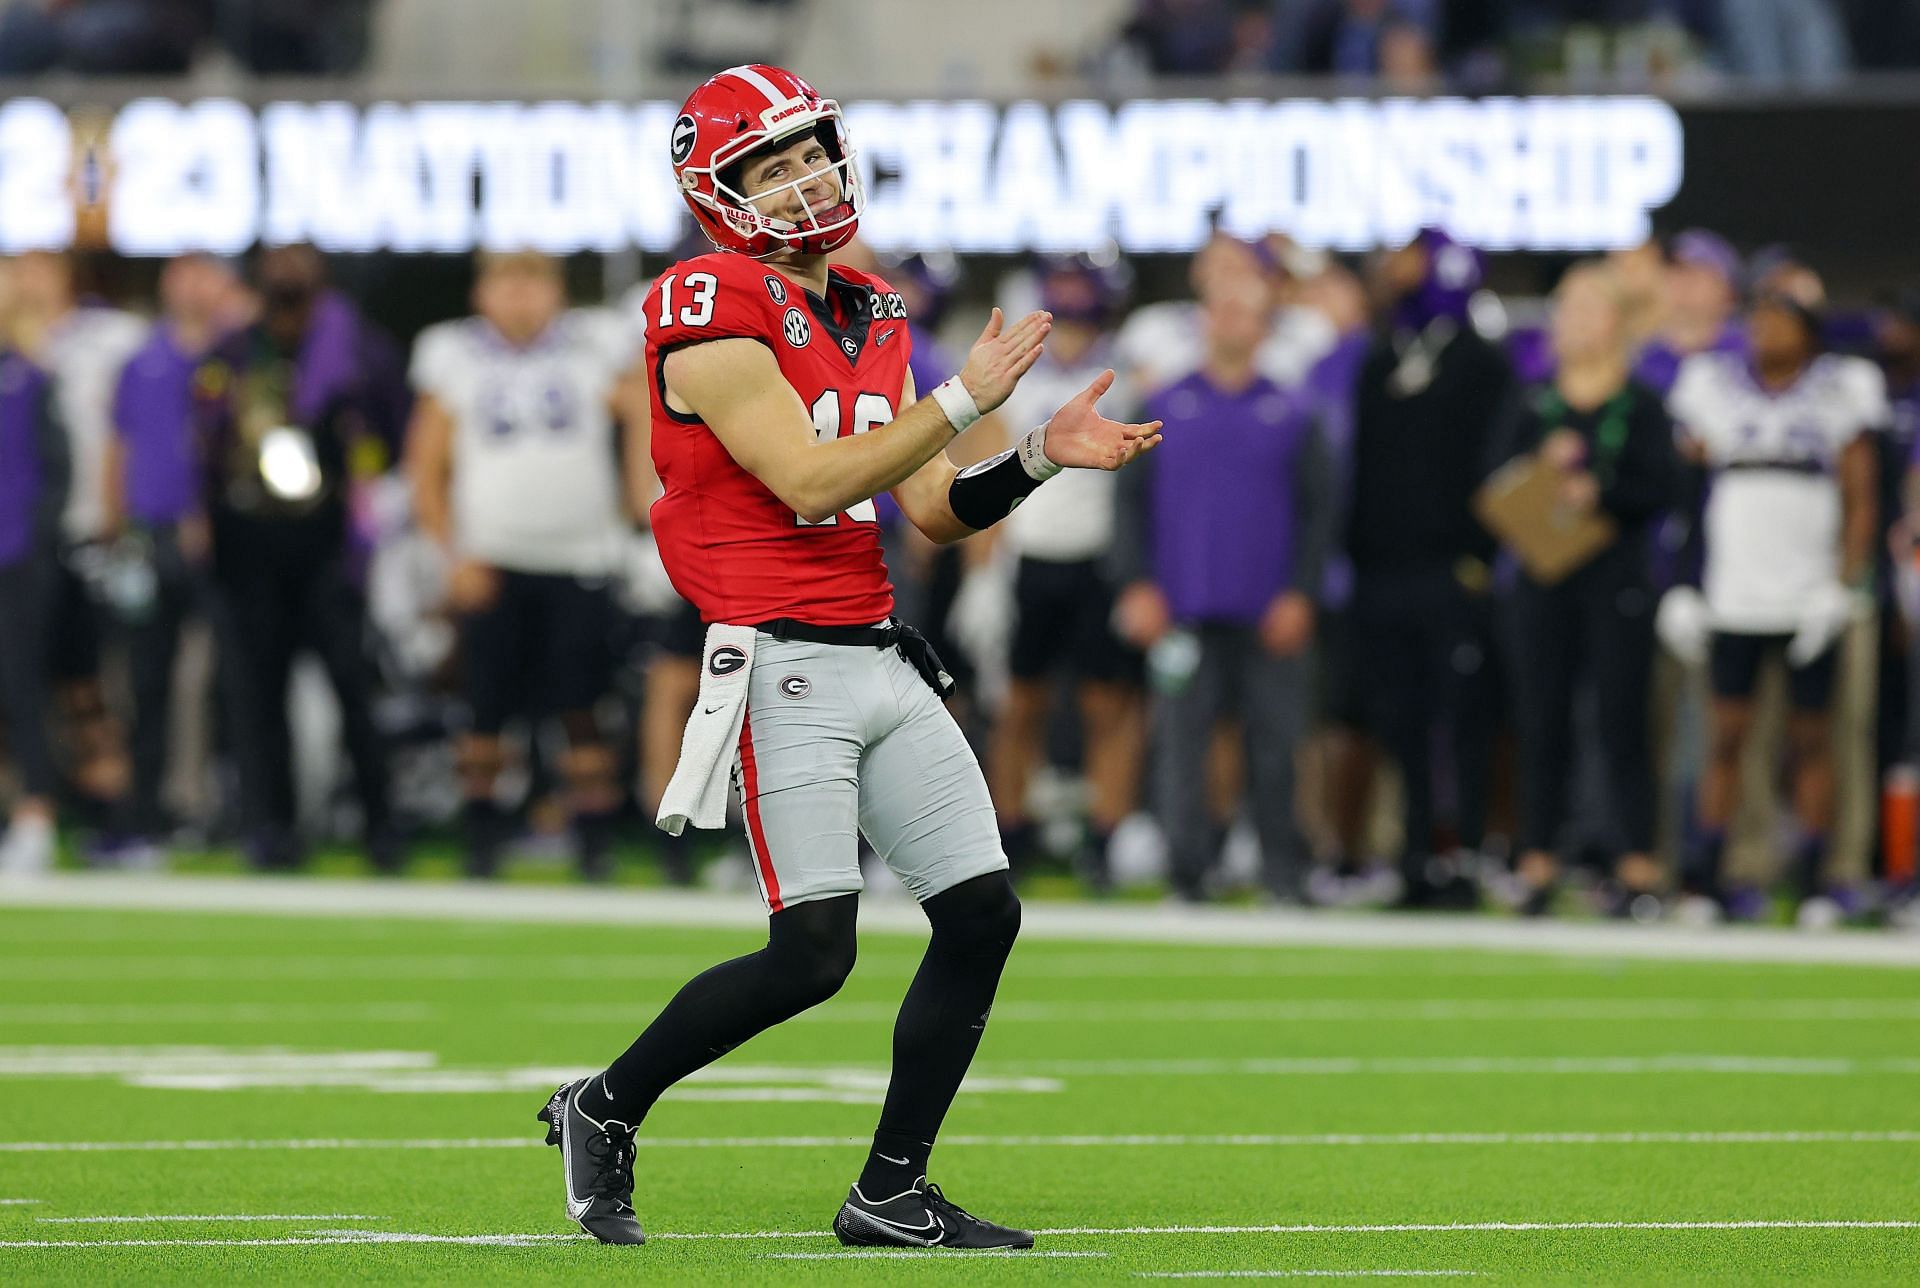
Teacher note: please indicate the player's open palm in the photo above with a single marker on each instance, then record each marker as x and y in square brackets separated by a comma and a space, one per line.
[1079, 437]
[1001, 356]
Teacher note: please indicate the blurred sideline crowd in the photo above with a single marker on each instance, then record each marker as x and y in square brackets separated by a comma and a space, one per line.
[1470, 46]
[1598, 600]
[1481, 46]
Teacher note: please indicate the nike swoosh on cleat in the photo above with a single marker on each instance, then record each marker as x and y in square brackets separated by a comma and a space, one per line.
[916, 1231]
[891, 1159]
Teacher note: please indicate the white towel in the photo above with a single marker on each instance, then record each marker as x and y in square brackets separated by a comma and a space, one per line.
[697, 793]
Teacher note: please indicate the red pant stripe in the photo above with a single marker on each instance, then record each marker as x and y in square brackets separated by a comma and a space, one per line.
[756, 835]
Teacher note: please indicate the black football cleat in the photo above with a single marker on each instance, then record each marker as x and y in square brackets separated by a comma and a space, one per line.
[921, 1217]
[598, 1159]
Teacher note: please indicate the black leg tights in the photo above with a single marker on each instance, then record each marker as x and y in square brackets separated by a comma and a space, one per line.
[809, 953]
[940, 1025]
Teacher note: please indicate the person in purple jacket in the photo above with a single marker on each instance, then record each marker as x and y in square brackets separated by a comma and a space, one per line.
[33, 490]
[1220, 543]
[154, 509]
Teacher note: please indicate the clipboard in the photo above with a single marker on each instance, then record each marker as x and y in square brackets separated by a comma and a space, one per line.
[1520, 504]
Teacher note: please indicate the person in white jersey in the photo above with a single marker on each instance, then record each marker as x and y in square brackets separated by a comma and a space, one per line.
[83, 347]
[1787, 437]
[512, 453]
[1063, 593]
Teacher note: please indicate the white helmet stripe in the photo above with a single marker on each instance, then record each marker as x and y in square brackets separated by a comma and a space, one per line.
[774, 97]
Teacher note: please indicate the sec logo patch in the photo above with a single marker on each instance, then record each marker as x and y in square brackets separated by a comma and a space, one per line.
[798, 330]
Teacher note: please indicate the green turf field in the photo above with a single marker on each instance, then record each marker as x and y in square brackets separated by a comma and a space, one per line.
[198, 1098]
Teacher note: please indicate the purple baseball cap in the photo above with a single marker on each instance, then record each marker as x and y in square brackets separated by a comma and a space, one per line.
[1455, 271]
[1703, 249]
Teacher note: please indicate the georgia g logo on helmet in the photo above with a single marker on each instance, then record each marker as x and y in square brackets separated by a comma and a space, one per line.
[737, 113]
[685, 131]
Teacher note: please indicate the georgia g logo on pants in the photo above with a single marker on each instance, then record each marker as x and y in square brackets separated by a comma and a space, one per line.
[726, 660]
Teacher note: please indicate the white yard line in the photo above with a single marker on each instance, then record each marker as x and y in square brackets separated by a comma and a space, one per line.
[330, 967]
[18, 1202]
[1335, 1139]
[1302, 1274]
[174, 1013]
[1124, 923]
[1059, 963]
[222, 1146]
[1530, 1066]
[218, 1068]
[160, 1061]
[307, 1241]
[1199, 1010]
[248, 1216]
[1442, 1010]
[1262, 1141]
[928, 1256]
[319, 1237]
[1485, 1227]
[213, 1068]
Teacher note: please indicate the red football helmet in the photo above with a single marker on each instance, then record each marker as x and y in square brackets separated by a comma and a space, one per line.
[736, 113]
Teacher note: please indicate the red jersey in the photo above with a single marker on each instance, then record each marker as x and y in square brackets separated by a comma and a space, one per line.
[731, 547]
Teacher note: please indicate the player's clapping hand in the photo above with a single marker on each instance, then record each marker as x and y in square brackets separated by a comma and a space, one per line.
[1001, 356]
[1079, 437]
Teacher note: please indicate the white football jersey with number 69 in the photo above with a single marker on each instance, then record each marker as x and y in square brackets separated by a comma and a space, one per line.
[1774, 513]
[535, 480]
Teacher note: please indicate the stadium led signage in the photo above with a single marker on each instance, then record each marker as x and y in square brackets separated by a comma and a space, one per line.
[160, 177]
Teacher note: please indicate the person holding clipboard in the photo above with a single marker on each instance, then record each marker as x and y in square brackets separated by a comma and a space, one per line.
[1588, 466]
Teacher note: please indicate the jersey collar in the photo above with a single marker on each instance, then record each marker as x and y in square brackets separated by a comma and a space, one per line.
[856, 302]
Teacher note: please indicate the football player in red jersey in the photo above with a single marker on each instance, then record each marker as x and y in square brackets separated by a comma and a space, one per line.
[781, 407]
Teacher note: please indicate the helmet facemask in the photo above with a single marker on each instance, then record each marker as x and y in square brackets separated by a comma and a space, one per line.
[815, 233]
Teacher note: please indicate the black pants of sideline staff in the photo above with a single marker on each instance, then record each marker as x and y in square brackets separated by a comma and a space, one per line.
[153, 645]
[1596, 624]
[1232, 676]
[26, 589]
[276, 594]
[1427, 671]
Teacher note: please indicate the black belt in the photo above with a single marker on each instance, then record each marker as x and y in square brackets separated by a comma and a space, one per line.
[911, 644]
[788, 628]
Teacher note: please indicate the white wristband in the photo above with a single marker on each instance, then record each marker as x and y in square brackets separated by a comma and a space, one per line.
[956, 402]
[1033, 456]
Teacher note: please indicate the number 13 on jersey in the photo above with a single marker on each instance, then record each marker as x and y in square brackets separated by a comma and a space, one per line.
[828, 424]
